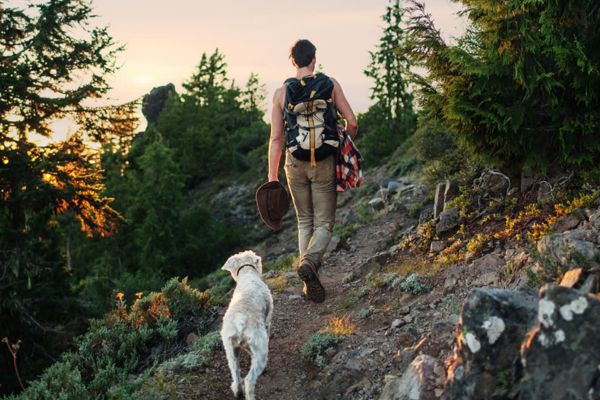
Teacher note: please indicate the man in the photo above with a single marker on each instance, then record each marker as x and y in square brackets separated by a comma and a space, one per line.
[304, 121]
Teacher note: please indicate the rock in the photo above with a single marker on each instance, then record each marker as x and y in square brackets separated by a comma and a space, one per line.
[344, 370]
[383, 183]
[393, 186]
[396, 323]
[493, 324]
[407, 189]
[191, 338]
[377, 203]
[418, 382]
[573, 248]
[449, 284]
[562, 352]
[487, 262]
[293, 297]
[567, 223]
[527, 180]
[450, 192]
[154, 102]
[571, 277]
[350, 217]
[493, 183]
[437, 246]
[425, 215]
[384, 194]
[438, 203]
[544, 192]
[404, 310]
[590, 284]
[449, 219]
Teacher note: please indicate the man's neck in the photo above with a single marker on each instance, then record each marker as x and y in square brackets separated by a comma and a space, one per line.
[304, 71]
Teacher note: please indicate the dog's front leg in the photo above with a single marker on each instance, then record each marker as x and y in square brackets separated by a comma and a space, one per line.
[232, 353]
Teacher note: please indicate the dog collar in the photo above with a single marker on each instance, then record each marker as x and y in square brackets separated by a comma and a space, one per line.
[246, 265]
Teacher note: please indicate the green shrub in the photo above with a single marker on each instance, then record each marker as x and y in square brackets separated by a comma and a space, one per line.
[118, 346]
[414, 285]
[198, 357]
[432, 141]
[318, 347]
[183, 299]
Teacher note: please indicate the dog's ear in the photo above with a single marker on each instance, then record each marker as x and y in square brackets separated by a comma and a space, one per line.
[257, 261]
[231, 266]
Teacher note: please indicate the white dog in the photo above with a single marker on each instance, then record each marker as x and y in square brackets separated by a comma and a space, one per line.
[247, 322]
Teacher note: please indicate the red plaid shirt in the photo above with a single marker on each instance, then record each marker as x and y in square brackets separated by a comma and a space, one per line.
[347, 170]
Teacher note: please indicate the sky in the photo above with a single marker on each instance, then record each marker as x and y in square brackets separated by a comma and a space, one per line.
[164, 40]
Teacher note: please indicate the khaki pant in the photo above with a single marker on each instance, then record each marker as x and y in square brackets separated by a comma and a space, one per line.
[314, 196]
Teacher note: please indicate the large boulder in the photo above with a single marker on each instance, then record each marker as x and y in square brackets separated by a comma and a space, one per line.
[154, 102]
[561, 355]
[493, 324]
[418, 382]
[577, 247]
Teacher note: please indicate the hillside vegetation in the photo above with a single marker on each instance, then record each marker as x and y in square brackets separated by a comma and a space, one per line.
[481, 172]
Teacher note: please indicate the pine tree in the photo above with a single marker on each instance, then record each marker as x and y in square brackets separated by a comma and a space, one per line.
[253, 97]
[391, 119]
[53, 64]
[208, 84]
[522, 86]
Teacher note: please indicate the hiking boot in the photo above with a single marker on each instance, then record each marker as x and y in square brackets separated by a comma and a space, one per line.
[313, 289]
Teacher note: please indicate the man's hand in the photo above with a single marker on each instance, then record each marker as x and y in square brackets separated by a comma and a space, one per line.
[276, 139]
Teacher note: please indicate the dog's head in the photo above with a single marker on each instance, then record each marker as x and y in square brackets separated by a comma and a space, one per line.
[237, 261]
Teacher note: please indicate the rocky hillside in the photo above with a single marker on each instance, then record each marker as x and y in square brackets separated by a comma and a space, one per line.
[430, 301]
[485, 290]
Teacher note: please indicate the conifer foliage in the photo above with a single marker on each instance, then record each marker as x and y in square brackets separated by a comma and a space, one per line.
[522, 86]
[391, 118]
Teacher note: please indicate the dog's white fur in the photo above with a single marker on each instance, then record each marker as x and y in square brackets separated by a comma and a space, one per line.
[247, 321]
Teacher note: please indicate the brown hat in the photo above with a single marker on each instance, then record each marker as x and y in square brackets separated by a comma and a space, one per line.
[273, 203]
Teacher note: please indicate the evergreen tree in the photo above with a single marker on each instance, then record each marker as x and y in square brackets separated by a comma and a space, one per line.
[52, 63]
[253, 97]
[208, 84]
[522, 86]
[391, 119]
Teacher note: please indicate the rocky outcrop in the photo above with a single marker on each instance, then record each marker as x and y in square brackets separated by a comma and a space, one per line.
[154, 102]
[561, 355]
[420, 381]
[576, 247]
[492, 326]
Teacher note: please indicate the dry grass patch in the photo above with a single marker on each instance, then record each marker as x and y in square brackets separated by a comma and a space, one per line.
[340, 326]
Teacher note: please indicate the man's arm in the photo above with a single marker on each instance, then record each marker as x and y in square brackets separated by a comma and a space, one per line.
[343, 107]
[276, 139]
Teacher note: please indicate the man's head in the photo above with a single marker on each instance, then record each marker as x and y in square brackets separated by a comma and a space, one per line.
[303, 53]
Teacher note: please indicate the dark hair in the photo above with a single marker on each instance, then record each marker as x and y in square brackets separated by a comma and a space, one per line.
[302, 52]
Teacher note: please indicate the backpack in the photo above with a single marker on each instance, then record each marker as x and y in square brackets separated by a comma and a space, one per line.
[310, 118]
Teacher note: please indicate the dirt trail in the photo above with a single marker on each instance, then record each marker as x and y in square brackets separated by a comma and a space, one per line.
[296, 320]
[288, 375]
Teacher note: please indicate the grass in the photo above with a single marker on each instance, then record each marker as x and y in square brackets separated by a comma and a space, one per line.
[340, 326]
[346, 231]
[278, 283]
[322, 345]
[284, 263]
